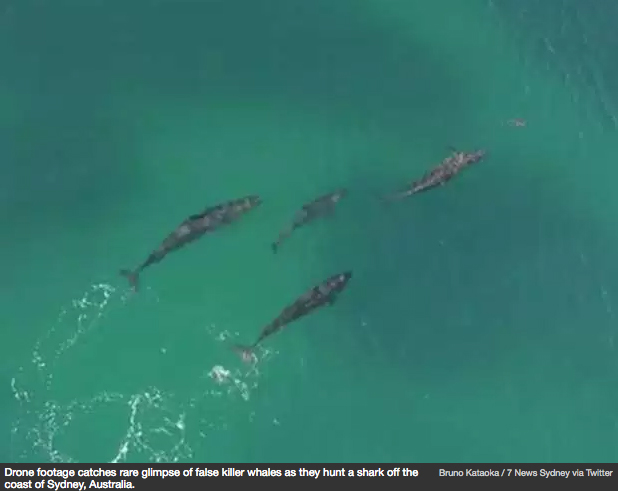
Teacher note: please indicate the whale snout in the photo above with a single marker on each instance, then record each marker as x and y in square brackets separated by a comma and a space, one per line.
[478, 155]
[253, 201]
[345, 277]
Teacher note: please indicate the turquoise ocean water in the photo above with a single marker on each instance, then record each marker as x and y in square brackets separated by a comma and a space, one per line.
[480, 324]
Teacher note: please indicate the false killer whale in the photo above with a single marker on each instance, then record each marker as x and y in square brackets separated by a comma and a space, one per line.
[319, 207]
[193, 228]
[323, 294]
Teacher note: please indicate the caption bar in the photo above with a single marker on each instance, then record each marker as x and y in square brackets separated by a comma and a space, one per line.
[81, 478]
[125, 476]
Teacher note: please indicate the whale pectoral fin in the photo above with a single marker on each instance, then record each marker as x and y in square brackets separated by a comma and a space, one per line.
[331, 301]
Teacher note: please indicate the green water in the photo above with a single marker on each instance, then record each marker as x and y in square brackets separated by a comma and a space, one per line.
[479, 324]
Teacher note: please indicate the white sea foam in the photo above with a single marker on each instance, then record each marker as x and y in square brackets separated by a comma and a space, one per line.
[159, 425]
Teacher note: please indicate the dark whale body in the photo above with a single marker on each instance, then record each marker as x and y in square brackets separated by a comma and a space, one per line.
[319, 207]
[323, 294]
[193, 228]
[441, 174]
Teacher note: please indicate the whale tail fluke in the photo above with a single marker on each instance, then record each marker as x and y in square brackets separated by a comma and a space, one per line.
[245, 352]
[132, 276]
[283, 235]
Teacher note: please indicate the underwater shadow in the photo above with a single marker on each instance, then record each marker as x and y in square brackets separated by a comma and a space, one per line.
[330, 57]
